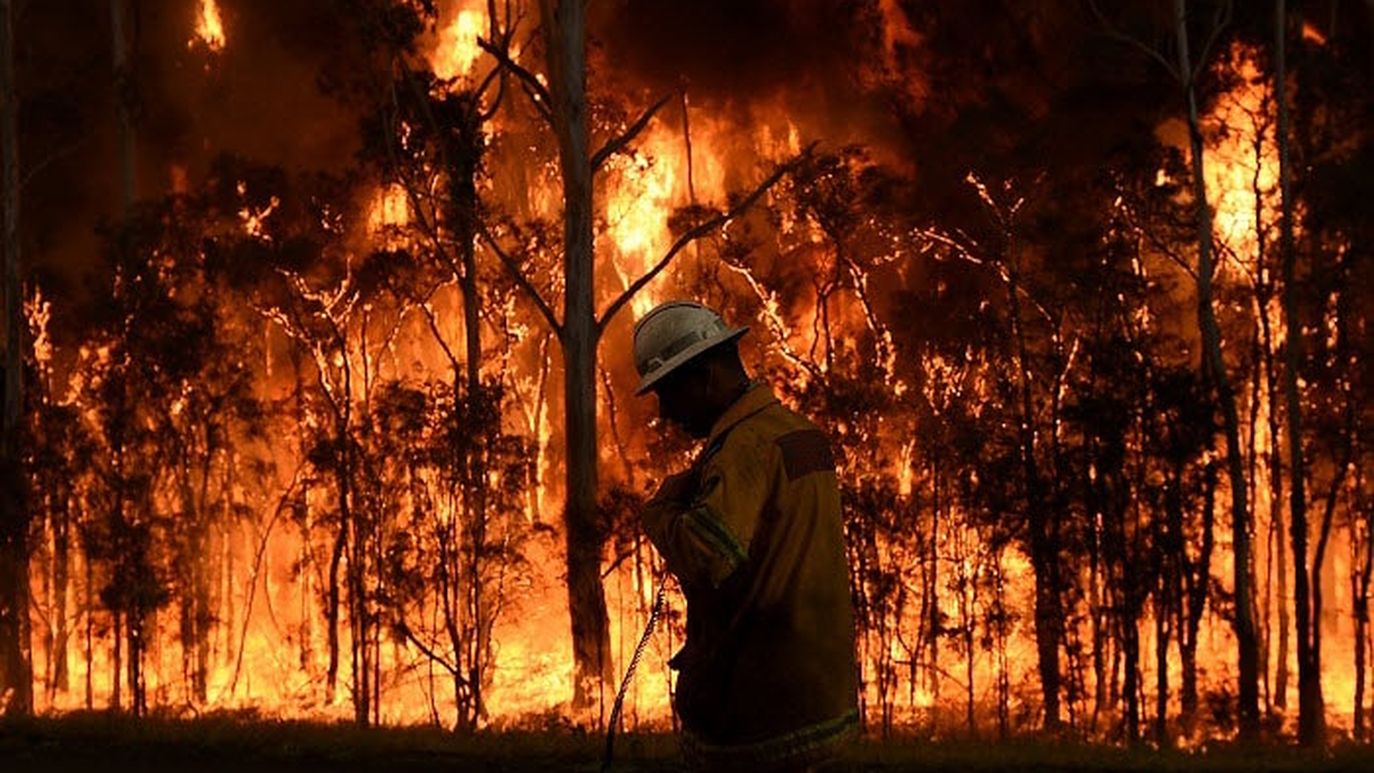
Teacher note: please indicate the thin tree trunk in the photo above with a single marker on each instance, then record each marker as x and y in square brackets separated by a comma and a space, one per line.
[1194, 601]
[117, 667]
[16, 666]
[463, 155]
[88, 611]
[1310, 710]
[1043, 548]
[124, 105]
[57, 652]
[1359, 585]
[331, 612]
[933, 587]
[1215, 372]
[1276, 518]
[1162, 675]
[564, 25]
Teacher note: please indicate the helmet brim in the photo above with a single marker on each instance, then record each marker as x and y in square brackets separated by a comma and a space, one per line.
[683, 357]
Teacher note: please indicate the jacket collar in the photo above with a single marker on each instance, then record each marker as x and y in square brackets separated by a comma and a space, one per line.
[758, 397]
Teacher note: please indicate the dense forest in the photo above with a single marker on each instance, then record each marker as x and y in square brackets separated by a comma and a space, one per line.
[318, 399]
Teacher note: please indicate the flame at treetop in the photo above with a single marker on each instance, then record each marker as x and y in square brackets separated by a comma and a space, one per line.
[209, 26]
[456, 50]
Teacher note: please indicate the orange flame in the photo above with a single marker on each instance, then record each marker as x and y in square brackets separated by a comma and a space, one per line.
[209, 27]
[457, 50]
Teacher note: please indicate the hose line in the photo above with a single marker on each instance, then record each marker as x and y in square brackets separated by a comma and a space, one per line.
[659, 601]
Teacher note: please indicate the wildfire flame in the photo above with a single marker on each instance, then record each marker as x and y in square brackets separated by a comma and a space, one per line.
[457, 50]
[209, 27]
[268, 642]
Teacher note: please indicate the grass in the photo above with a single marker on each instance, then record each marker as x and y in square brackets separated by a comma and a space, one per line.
[105, 743]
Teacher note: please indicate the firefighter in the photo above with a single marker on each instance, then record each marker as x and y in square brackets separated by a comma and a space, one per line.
[767, 678]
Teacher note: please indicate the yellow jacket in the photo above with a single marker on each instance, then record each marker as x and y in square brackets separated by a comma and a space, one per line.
[768, 669]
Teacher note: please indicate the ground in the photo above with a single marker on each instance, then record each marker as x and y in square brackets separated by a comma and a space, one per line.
[102, 743]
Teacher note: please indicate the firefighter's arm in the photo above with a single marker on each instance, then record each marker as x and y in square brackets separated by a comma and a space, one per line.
[704, 537]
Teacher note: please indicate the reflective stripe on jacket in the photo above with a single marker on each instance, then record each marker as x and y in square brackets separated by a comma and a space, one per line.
[759, 552]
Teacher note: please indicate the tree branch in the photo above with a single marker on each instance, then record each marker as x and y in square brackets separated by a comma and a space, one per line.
[539, 94]
[618, 144]
[698, 231]
[1220, 20]
[1116, 34]
[521, 279]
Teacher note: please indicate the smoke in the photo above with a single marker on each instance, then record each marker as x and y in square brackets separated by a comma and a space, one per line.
[740, 48]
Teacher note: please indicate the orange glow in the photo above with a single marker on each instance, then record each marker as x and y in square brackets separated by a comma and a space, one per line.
[456, 50]
[1311, 34]
[1242, 165]
[389, 208]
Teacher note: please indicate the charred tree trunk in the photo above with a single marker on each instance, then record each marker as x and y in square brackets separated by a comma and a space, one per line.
[1217, 376]
[16, 667]
[1044, 548]
[125, 100]
[1162, 616]
[331, 611]
[57, 648]
[1310, 709]
[117, 668]
[564, 24]
[88, 593]
[463, 154]
[193, 610]
[1363, 564]
[1278, 543]
[932, 599]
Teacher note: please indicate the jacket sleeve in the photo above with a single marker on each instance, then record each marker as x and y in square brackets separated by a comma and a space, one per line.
[705, 540]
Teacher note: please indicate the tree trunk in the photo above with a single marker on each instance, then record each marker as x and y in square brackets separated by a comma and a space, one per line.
[125, 97]
[564, 25]
[1162, 675]
[1043, 544]
[57, 651]
[89, 611]
[1310, 710]
[331, 612]
[933, 589]
[117, 667]
[463, 154]
[1194, 601]
[1359, 585]
[1279, 544]
[16, 667]
[1215, 373]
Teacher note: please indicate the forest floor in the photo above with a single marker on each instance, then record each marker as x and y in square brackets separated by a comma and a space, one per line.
[104, 744]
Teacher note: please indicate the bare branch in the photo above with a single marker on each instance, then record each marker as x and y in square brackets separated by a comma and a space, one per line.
[1220, 21]
[51, 158]
[429, 652]
[498, 74]
[698, 231]
[521, 279]
[539, 94]
[619, 143]
[1117, 34]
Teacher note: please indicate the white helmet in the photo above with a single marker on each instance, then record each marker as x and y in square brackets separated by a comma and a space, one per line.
[673, 333]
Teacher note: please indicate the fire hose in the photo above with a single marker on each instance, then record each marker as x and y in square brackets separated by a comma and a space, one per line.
[660, 599]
